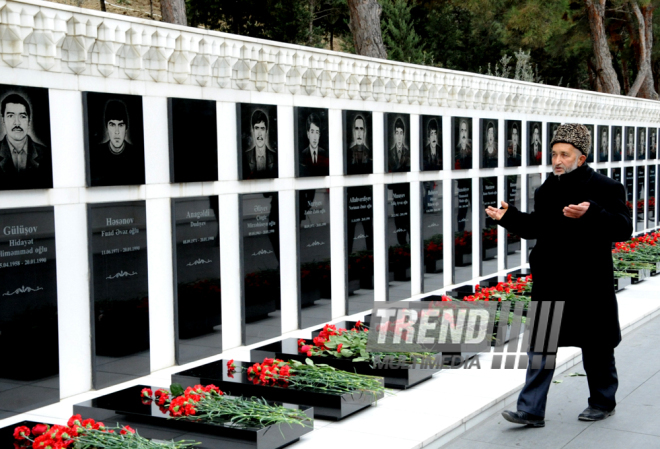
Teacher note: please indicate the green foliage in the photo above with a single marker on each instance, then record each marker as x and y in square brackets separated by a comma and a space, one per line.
[399, 35]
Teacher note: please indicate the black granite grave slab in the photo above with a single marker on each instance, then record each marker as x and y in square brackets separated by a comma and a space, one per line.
[196, 244]
[488, 150]
[462, 229]
[550, 133]
[311, 141]
[326, 406]
[314, 256]
[114, 139]
[430, 141]
[432, 235]
[629, 184]
[652, 149]
[125, 406]
[488, 192]
[534, 181]
[534, 143]
[119, 292]
[603, 143]
[461, 141]
[621, 283]
[402, 379]
[7, 439]
[590, 157]
[651, 195]
[641, 275]
[260, 240]
[513, 137]
[25, 121]
[616, 174]
[617, 140]
[358, 142]
[28, 310]
[641, 143]
[257, 138]
[398, 241]
[193, 124]
[513, 196]
[641, 200]
[360, 248]
[629, 147]
[397, 142]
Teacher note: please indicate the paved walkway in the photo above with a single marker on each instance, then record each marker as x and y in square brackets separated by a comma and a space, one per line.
[636, 423]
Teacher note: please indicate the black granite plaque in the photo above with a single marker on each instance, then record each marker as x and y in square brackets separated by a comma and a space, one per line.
[617, 143]
[534, 181]
[25, 129]
[640, 204]
[616, 174]
[461, 142]
[358, 142]
[602, 171]
[193, 140]
[513, 154]
[629, 143]
[603, 139]
[257, 141]
[432, 225]
[651, 196]
[430, 141]
[462, 228]
[489, 143]
[397, 141]
[311, 142]
[653, 143]
[550, 134]
[28, 310]
[534, 145]
[590, 157]
[360, 242]
[630, 187]
[197, 318]
[120, 292]
[641, 143]
[114, 139]
[398, 241]
[261, 266]
[513, 197]
[488, 192]
[314, 256]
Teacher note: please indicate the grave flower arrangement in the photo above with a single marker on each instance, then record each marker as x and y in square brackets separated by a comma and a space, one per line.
[87, 434]
[636, 254]
[209, 404]
[433, 248]
[312, 377]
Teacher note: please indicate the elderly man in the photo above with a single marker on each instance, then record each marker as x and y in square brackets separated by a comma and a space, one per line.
[577, 215]
[359, 155]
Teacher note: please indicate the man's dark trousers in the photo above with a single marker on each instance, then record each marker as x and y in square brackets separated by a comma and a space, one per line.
[601, 376]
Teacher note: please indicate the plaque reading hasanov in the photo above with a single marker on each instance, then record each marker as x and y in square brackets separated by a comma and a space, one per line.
[119, 291]
[195, 232]
[28, 310]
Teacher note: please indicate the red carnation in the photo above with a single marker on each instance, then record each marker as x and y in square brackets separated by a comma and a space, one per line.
[231, 365]
[339, 346]
[74, 420]
[39, 429]
[147, 393]
[20, 433]
[126, 429]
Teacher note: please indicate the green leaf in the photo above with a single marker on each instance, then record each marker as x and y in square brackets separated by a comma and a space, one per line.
[577, 375]
[309, 362]
[346, 353]
[557, 381]
[176, 390]
[359, 359]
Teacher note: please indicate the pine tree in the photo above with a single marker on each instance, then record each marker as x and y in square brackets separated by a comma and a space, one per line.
[399, 35]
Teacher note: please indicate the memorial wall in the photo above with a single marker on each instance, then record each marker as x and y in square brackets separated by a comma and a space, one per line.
[167, 193]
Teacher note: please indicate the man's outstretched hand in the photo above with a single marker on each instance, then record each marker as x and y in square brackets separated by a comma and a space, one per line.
[576, 211]
[497, 214]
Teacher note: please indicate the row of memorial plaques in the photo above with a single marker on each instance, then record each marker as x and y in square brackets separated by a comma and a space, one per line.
[645, 186]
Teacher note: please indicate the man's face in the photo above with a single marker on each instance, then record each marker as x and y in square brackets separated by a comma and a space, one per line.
[358, 131]
[433, 137]
[464, 134]
[116, 132]
[603, 141]
[631, 139]
[398, 137]
[642, 140]
[259, 134]
[617, 141]
[514, 136]
[554, 131]
[16, 121]
[536, 137]
[314, 134]
[653, 140]
[491, 136]
[566, 158]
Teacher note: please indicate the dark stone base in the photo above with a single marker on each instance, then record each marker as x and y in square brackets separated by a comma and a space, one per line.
[621, 283]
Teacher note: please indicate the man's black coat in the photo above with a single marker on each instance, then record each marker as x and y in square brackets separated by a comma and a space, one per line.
[572, 259]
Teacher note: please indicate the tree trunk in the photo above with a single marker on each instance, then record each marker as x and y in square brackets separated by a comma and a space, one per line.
[604, 69]
[643, 85]
[174, 11]
[102, 5]
[310, 38]
[365, 27]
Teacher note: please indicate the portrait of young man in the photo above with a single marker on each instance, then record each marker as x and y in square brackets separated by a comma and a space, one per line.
[397, 139]
[641, 143]
[358, 142]
[258, 141]
[431, 141]
[534, 154]
[489, 155]
[653, 143]
[25, 155]
[513, 151]
[592, 134]
[617, 143]
[311, 142]
[114, 139]
[629, 132]
[550, 134]
[603, 143]
[462, 142]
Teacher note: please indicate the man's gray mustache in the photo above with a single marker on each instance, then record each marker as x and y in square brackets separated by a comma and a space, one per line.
[17, 128]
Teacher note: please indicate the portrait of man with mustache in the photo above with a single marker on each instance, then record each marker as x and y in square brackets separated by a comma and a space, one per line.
[24, 163]
[259, 137]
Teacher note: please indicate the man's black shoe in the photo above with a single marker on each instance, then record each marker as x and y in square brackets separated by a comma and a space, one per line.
[594, 414]
[524, 418]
